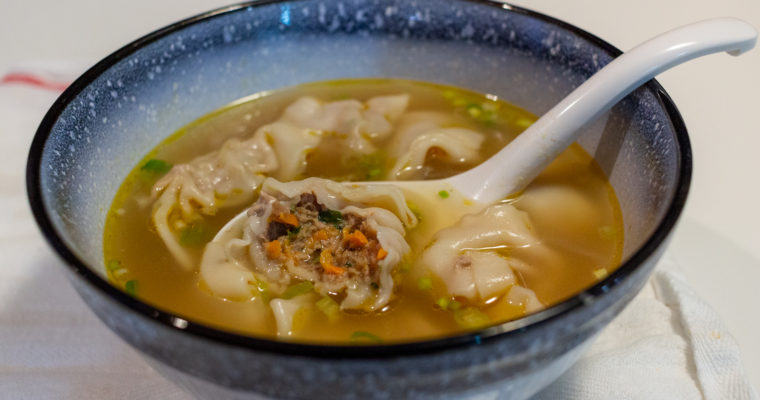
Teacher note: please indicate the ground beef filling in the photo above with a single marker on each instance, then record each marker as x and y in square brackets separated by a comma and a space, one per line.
[338, 247]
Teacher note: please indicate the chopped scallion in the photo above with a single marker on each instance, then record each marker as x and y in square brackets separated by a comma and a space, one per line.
[471, 318]
[194, 235]
[443, 303]
[329, 307]
[443, 194]
[155, 166]
[363, 337]
[297, 290]
[600, 273]
[131, 288]
[415, 209]
[425, 283]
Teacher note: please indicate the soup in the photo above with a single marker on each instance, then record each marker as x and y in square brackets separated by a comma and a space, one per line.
[313, 260]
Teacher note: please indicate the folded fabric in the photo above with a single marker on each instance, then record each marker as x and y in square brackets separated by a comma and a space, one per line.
[667, 344]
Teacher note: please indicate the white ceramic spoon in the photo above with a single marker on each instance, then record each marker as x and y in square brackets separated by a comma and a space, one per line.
[517, 164]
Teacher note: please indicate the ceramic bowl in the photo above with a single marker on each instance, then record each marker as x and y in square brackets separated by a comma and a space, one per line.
[128, 103]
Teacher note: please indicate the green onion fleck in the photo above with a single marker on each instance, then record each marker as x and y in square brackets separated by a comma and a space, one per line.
[471, 318]
[600, 273]
[474, 110]
[329, 307]
[297, 290]
[331, 217]
[443, 194]
[155, 166]
[113, 265]
[443, 303]
[194, 235]
[363, 337]
[131, 288]
[425, 283]
[263, 289]
[374, 173]
[454, 305]
[524, 123]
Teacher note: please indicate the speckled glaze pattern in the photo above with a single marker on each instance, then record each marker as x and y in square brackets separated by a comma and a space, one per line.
[125, 105]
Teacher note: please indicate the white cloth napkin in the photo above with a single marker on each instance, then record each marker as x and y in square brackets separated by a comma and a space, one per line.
[667, 344]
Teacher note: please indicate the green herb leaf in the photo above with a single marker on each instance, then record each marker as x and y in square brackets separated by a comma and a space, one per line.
[156, 167]
[443, 194]
[194, 235]
[471, 318]
[331, 217]
[363, 337]
[297, 290]
[131, 288]
[425, 283]
[329, 307]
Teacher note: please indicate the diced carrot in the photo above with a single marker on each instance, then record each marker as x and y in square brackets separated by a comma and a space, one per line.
[381, 254]
[288, 219]
[320, 235]
[326, 260]
[273, 249]
[356, 239]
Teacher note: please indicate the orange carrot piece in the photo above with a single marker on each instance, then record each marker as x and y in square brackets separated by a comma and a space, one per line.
[320, 235]
[326, 260]
[357, 239]
[381, 254]
[288, 219]
[273, 249]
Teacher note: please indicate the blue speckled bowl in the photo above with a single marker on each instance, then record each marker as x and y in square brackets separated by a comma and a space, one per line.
[126, 104]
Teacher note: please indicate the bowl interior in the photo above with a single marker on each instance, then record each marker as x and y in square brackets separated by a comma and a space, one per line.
[123, 107]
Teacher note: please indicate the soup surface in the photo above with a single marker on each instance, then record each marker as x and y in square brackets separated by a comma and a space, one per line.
[559, 236]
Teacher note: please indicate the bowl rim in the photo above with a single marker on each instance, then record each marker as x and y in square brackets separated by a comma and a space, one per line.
[173, 321]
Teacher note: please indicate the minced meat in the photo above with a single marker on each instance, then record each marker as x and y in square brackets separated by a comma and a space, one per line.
[336, 246]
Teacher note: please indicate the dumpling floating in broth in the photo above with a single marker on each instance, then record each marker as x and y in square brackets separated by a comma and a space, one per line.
[423, 135]
[469, 257]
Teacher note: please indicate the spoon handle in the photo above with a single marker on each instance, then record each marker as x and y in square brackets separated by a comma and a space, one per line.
[512, 168]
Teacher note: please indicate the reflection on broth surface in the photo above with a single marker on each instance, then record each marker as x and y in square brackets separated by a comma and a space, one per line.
[317, 261]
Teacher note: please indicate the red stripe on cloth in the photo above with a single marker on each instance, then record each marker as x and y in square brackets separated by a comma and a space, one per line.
[29, 79]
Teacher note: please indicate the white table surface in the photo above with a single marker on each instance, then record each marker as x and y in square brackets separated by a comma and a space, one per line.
[718, 238]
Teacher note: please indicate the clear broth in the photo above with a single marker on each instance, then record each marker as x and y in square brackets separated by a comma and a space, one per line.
[590, 246]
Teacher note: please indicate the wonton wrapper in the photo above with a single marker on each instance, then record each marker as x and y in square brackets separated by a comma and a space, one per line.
[232, 261]
[463, 255]
[420, 131]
